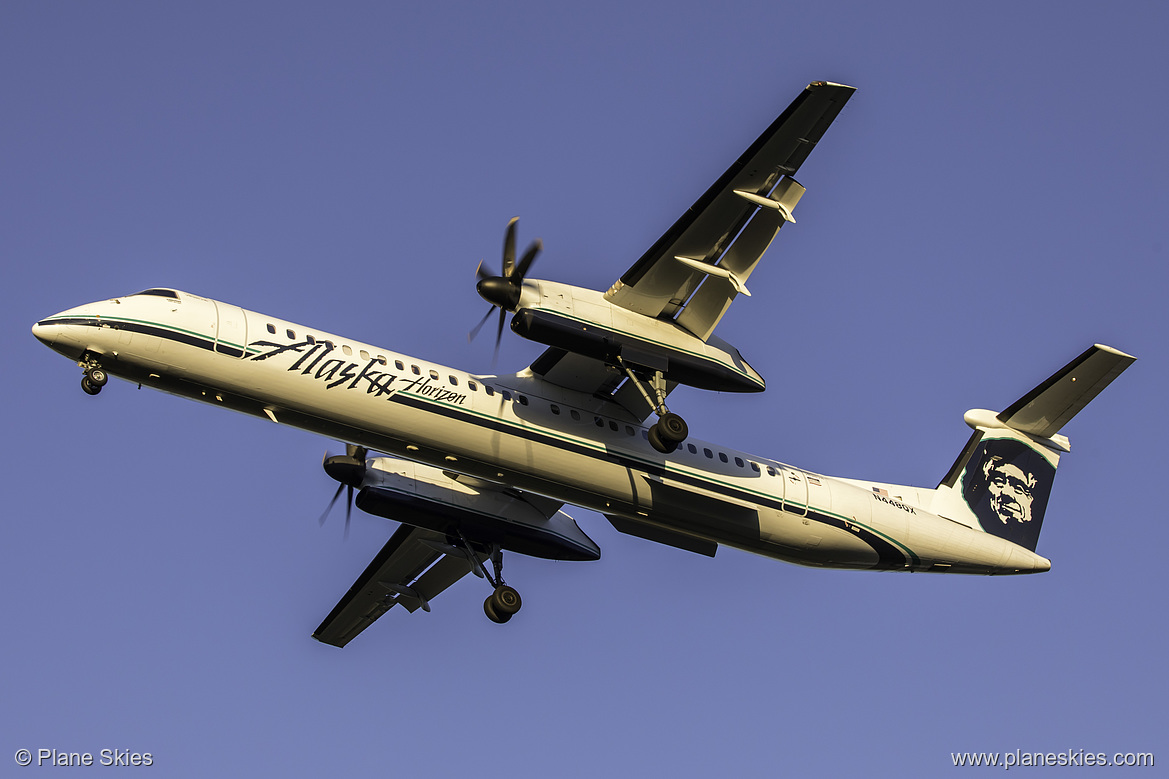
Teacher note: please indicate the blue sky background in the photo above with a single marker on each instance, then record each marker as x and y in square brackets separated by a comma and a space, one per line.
[991, 202]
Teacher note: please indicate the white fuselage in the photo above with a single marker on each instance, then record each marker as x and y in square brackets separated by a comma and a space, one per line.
[520, 431]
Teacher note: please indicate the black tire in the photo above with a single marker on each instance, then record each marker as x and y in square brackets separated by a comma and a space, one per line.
[492, 614]
[506, 600]
[655, 440]
[89, 387]
[672, 428]
[97, 377]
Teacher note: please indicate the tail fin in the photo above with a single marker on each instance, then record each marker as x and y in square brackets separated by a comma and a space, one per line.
[1002, 480]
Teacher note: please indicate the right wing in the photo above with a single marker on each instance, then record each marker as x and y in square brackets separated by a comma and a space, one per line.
[410, 570]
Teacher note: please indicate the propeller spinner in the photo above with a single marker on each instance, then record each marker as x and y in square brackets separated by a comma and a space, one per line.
[349, 470]
[503, 292]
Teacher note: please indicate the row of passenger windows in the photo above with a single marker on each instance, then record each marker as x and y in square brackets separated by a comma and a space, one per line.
[507, 395]
[617, 427]
[414, 369]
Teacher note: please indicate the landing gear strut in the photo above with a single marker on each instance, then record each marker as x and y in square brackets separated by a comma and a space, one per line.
[94, 379]
[504, 601]
[670, 429]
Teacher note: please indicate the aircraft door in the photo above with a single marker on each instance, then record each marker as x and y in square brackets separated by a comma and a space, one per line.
[795, 491]
[231, 334]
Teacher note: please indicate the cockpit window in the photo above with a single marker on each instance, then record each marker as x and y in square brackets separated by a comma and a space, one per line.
[162, 293]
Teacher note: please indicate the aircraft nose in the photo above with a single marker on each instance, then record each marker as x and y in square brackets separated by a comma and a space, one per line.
[45, 332]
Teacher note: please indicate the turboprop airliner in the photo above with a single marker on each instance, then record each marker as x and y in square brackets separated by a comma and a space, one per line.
[474, 465]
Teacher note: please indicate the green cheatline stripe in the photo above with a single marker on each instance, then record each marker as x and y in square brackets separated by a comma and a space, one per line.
[159, 325]
[551, 434]
[699, 355]
[680, 470]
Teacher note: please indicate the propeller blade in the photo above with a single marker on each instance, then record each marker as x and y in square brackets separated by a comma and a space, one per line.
[498, 338]
[329, 508]
[509, 248]
[475, 330]
[526, 261]
[348, 512]
[482, 272]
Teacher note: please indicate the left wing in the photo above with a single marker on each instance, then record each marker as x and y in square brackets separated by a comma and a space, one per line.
[697, 268]
[411, 569]
[732, 224]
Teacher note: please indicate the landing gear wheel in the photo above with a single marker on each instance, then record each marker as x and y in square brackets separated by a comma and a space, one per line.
[492, 614]
[655, 440]
[672, 427]
[505, 600]
[97, 377]
[89, 387]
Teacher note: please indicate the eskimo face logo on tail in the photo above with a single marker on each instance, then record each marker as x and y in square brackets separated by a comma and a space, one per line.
[1007, 485]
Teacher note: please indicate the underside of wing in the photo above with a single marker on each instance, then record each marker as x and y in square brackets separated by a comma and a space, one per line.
[451, 525]
[715, 245]
[410, 570]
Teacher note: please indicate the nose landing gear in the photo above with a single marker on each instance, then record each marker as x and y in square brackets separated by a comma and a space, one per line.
[94, 379]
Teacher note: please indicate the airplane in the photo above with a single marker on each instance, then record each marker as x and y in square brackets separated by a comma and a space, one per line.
[475, 465]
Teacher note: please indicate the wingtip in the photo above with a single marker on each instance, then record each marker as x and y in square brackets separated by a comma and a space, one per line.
[815, 84]
[1113, 350]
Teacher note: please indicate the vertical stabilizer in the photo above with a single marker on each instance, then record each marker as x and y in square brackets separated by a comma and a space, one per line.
[1002, 480]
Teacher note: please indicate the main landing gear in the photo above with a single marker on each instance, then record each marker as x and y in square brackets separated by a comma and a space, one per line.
[504, 601]
[94, 379]
[670, 429]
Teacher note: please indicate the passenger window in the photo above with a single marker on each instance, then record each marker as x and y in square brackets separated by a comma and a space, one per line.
[454, 382]
[291, 335]
[272, 329]
[523, 400]
[472, 385]
[310, 339]
[347, 350]
[629, 430]
[574, 414]
[770, 471]
[598, 422]
[613, 426]
[489, 390]
[415, 370]
[381, 359]
[739, 461]
[364, 354]
[506, 394]
[434, 374]
[722, 456]
[398, 364]
[692, 449]
[708, 453]
[755, 466]
[555, 409]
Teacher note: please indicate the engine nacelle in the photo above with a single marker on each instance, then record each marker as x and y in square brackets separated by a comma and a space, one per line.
[427, 497]
[582, 321]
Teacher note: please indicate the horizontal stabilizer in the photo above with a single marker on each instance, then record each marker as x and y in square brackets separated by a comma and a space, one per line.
[1048, 407]
[1001, 482]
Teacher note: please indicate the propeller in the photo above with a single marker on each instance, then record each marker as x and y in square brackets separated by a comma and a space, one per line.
[349, 470]
[503, 292]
